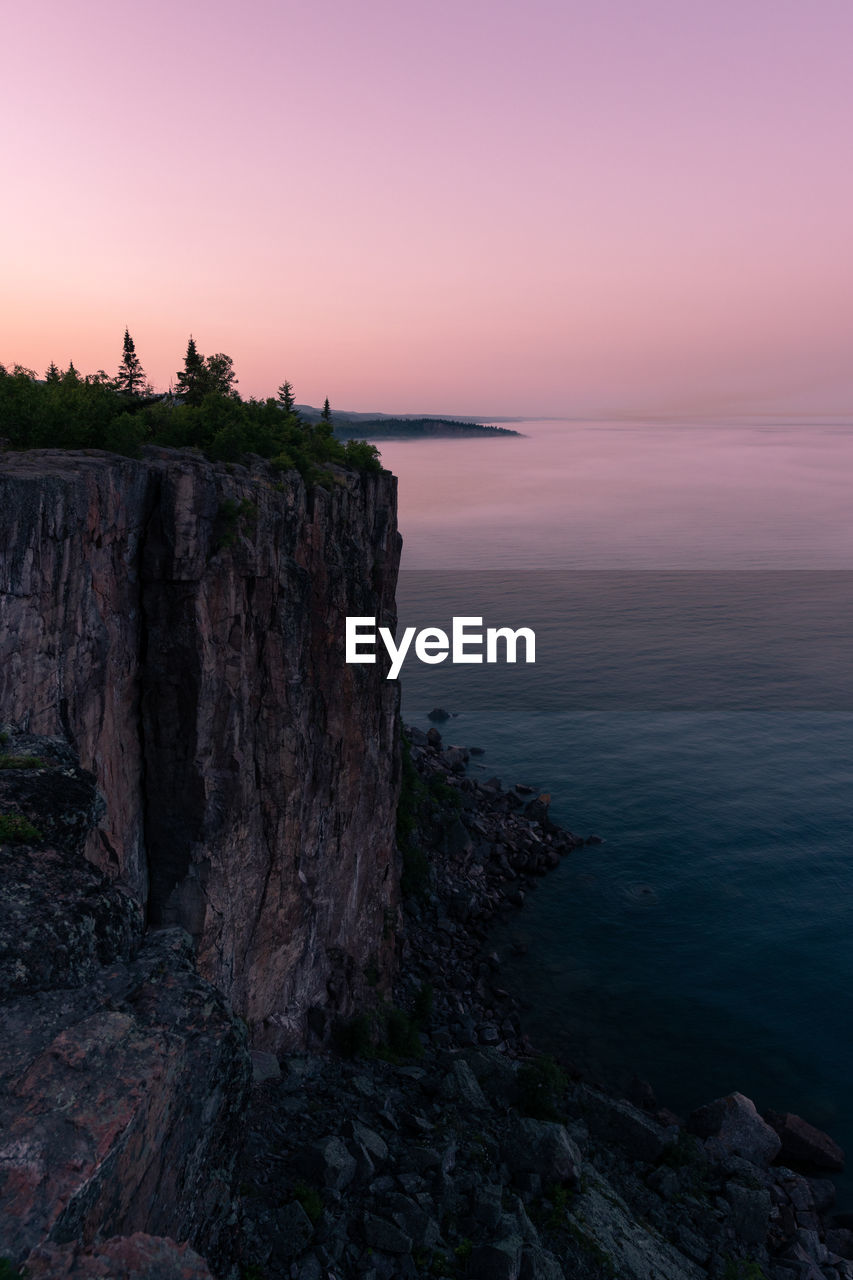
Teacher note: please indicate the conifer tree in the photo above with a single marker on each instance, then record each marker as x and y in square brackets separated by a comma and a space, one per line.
[131, 375]
[71, 377]
[324, 427]
[52, 374]
[285, 397]
[192, 379]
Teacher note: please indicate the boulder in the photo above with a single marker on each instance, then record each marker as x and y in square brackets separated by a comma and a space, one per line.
[458, 839]
[455, 758]
[738, 1129]
[265, 1066]
[840, 1240]
[328, 1163]
[499, 1261]
[370, 1141]
[824, 1194]
[385, 1236]
[537, 811]
[540, 1264]
[294, 1230]
[463, 1084]
[617, 1121]
[606, 1228]
[542, 1147]
[803, 1144]
[750, 1212]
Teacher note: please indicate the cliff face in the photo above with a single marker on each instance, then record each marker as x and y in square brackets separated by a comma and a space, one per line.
[182, 625]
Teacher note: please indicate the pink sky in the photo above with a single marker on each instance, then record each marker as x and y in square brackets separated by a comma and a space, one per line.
[471, 207]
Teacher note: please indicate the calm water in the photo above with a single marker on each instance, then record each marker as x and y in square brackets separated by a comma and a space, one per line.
[690, 587]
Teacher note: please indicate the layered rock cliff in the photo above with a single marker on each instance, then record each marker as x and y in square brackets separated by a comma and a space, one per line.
[181, 624]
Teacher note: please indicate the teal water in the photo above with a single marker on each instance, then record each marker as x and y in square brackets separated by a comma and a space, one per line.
[691, 704]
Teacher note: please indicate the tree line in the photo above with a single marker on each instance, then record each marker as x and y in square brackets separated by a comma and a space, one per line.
[203, 410]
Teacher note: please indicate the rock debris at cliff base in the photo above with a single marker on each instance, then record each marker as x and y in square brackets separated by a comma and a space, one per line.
[474, 1157]
[123, 1073]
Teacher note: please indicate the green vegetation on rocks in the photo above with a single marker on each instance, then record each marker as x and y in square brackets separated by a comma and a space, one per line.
[17, 830]
[66, 410]
[310, 1199]
[21, 762]
[386, 1032]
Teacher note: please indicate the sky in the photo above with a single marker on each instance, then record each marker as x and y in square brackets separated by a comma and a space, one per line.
[549, 208]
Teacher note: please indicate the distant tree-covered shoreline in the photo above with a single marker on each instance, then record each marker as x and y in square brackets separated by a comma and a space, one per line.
[410, 428]
[66, 410]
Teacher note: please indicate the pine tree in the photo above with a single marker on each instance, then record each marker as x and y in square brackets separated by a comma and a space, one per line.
[52, 374]
[285, 397]
[71, 377]
[131, 375]
[192, 379]
[324, 426]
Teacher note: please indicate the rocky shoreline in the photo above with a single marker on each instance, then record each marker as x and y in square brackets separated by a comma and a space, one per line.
[435, 1142]
[467, 1154]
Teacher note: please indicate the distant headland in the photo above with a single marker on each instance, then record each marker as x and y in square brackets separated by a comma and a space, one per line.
[380, 426]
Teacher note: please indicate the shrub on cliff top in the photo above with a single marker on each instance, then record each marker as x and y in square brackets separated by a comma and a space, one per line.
[69, 412]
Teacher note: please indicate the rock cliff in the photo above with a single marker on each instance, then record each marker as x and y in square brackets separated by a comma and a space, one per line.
[181, 625]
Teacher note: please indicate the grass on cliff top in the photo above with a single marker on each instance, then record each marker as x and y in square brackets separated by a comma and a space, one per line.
[72, 412]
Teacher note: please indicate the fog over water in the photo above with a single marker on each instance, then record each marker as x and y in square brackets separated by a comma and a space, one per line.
[692, 703]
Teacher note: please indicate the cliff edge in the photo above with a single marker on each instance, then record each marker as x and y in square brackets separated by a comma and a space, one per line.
[181, 624]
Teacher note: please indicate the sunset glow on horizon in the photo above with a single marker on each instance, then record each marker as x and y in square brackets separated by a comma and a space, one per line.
[489, 209]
